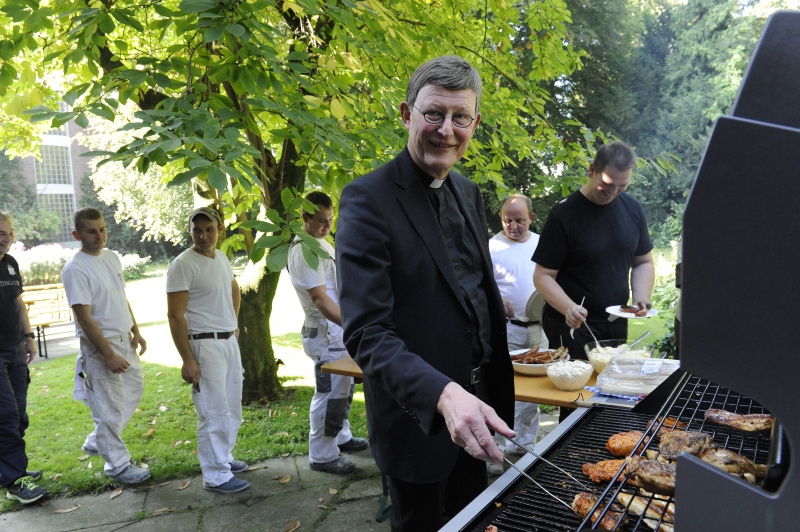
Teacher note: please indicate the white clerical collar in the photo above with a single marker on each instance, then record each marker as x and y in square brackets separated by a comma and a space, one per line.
[437, 183]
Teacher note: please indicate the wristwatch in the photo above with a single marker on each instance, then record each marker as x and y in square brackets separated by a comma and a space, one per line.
[29, 335]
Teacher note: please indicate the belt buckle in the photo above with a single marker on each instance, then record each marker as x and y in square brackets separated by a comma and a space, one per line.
[475, 376]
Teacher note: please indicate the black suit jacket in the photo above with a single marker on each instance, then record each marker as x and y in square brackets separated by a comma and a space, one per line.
[404, 318]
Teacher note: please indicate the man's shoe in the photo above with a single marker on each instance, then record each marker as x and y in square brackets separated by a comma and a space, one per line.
[340, 466]
[354, 445]
[91, 451]
[25, 491]
[232, 486]
[132, 475]
[35, 475]
[237, 466]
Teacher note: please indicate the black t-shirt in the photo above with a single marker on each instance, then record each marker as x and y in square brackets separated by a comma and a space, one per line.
[11, 329]
[592, 246]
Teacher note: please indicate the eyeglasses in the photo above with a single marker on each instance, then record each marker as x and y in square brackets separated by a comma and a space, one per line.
[437, 117]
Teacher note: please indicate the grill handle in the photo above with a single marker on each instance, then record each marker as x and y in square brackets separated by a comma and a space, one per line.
[779, 458]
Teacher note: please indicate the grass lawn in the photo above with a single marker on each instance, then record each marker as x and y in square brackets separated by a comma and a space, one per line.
[161, 434]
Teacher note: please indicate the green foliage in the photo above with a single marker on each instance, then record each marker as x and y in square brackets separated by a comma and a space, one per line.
[250, 99]
[161, 433]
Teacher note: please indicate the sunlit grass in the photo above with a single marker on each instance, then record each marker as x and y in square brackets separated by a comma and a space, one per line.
[162, 432]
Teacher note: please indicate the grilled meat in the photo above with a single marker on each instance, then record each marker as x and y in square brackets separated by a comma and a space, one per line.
[534, 356]
[736, 464]
[622, 443]
[745, 422]
[583, 504]
[652, 513]
[670, 423]
[491, 528]
[675, 442]
[652, 475]
[602, 471]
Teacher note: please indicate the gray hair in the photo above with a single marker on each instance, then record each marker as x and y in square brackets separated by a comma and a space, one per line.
[525, 199]
[617, 154]
[448, 71]
[6, 217]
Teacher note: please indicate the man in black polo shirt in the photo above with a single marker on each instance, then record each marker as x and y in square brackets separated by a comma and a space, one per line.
[17, 350]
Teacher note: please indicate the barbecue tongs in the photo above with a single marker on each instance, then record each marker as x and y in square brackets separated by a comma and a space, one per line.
[546, 461]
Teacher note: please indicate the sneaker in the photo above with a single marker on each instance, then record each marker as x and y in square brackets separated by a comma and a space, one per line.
[232, 486]
[25, 490]
[354, 445]
[91, 451]
[132, 475]
[339, 466]
[35, 475]
[237, 466]
[495, 469]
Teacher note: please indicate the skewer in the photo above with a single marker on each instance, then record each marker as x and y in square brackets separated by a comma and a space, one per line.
[548, 462]
[512, 464]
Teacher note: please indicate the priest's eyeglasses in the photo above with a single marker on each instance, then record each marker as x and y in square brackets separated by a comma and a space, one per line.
[436, 117]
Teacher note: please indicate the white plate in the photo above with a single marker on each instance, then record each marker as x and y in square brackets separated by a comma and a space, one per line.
[530, 369]
[614, 310]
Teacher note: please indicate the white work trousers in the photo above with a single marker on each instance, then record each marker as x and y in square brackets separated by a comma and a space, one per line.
[113, 398]
[333, 394]
[526, 415]
[218, 401]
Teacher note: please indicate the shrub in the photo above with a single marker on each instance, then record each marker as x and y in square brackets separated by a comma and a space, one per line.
[42, 264]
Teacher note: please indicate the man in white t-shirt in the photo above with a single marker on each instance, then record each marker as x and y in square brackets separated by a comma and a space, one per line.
[511, 252]
[203, 307]
[109, 337]
[322, 341]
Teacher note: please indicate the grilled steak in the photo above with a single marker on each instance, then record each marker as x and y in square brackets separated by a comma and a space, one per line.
[675, 442]
[602, 471]
[745, 422]
[736, 464]
[622, 443]
[651, 475]
[583, 504]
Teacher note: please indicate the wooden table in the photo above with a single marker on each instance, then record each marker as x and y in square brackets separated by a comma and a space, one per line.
[526, 388]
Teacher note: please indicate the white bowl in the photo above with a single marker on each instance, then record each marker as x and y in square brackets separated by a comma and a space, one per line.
[530, 369]
[569, 375]
[612, 348]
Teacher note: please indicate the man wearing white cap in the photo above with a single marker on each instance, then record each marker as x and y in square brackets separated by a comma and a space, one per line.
[109, 337]
[202, 307]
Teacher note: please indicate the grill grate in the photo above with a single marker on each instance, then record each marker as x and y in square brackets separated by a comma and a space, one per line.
[526, 507]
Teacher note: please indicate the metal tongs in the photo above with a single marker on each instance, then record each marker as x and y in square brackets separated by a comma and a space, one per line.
[546, 461]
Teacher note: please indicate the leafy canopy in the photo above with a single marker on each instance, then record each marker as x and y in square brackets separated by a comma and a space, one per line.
[256, 98]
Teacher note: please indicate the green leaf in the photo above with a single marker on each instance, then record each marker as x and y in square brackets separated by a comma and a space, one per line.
[217, 179]
[268, 241]
[257, 253]
[135, 77]
[123, 17]
[71, 95]
[310, 257]
[211, 129]
[82, 120]
[277, 258]
[183, 177]
[213, 34]
[263, 227]
[196, 6]
[235, 29]
[6, 49]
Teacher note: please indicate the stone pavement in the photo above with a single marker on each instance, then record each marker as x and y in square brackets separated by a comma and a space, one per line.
[317, 501]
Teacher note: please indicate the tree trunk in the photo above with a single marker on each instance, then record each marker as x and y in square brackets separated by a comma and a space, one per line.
[258, 287]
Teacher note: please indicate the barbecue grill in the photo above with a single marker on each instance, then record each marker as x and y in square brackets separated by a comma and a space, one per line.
[740, 294]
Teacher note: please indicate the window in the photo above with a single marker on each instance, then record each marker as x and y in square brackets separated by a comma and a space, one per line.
[64, 206]
[55, 168]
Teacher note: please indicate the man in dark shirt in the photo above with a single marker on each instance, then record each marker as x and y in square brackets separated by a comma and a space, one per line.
[17, 350]
[421, 313]
[591, 244]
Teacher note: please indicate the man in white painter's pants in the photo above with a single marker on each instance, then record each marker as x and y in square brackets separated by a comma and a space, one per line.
[203, 306]
[316, 289]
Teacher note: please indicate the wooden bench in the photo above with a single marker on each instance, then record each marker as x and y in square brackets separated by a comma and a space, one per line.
[47, 305]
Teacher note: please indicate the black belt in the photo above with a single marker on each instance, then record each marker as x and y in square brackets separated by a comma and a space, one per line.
[522, 323]
[475, 376]
[206, 336]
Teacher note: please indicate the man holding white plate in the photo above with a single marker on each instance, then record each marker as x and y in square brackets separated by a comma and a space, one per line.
[592, 243]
